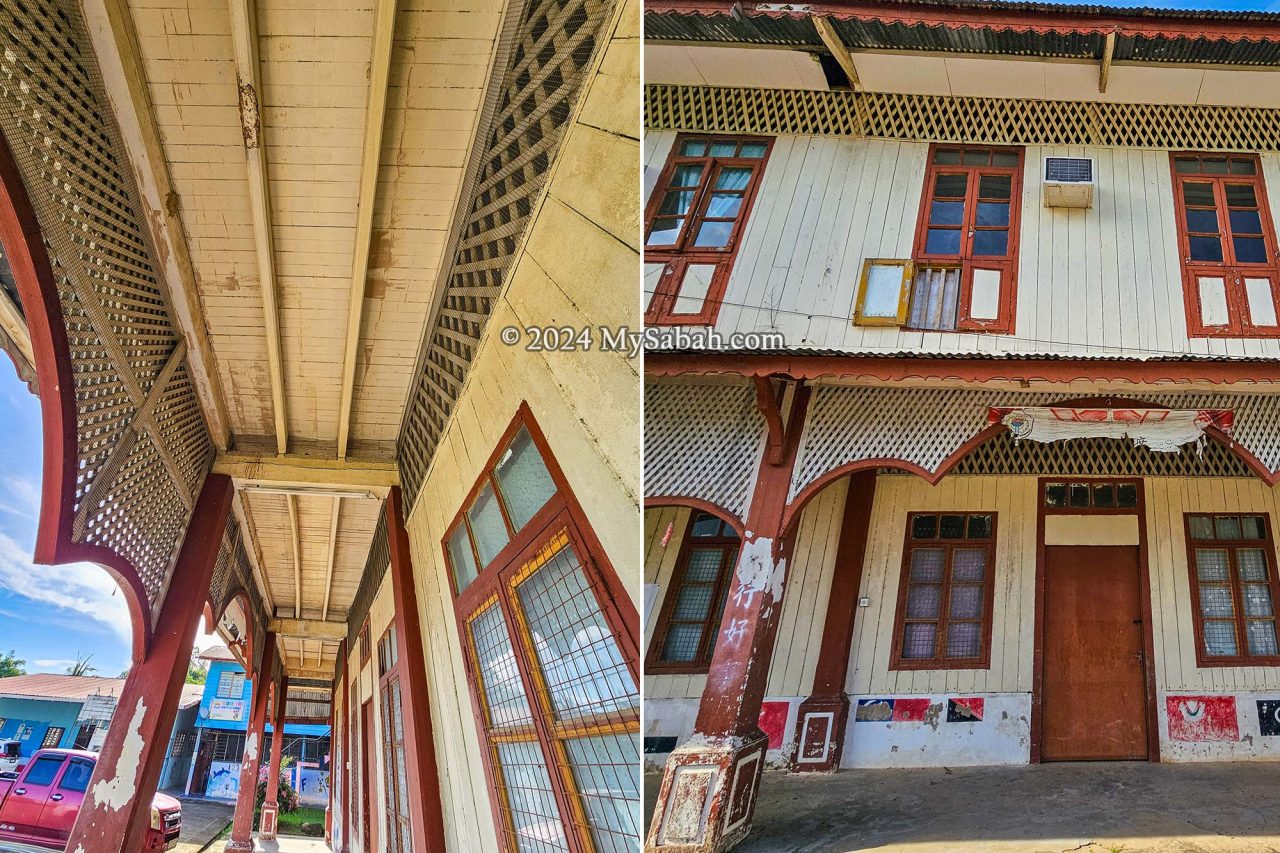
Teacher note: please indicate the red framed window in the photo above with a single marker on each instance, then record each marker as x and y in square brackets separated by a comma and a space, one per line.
[551, 662]
[1232, 566]
[689, 621]
[1227, 241]
[694, 224]
[966, 252]
[946, 592]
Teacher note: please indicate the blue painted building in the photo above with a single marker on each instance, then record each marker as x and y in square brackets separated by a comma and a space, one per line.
[222, 723]
[45, 710]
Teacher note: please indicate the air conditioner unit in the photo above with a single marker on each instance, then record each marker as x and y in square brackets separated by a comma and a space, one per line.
[1068, 182]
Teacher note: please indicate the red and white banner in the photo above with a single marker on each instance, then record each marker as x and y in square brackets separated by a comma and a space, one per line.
[1163, 430]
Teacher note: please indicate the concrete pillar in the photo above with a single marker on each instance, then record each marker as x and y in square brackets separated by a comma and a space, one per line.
[822, 717]
[426, 815]
[709, 785]
[271, 804]
[242, 823]
[116, 810]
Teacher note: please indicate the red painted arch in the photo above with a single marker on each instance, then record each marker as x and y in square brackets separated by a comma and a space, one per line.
[33, 273]
[700, 504]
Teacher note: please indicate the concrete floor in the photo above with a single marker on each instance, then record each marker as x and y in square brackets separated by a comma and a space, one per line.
[202, 820]
[1134, 807]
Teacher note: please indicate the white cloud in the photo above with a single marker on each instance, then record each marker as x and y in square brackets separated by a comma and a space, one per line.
[82, 588]
[51, 664]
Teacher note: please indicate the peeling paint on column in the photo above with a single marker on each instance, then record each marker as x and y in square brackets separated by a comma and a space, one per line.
[251, 747]
[117, 792]
[757, 571]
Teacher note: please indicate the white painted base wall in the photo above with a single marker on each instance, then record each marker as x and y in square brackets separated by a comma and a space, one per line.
[1002, 736]
[1247, 743]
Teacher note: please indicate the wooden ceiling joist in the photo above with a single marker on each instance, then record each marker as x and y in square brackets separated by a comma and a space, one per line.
[250, 534]
[371, 156]
[838, 49]
[292, 501]
[244, 36]
[333, 550]
[314, 629]
[1108, 54]
[296, 470]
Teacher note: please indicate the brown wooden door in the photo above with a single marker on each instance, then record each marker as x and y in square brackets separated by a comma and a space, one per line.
[368, 767]
[1093, 696]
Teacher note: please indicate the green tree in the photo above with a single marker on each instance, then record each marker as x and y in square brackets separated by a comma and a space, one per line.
[11, 664]
[197, 672]
[82, 666]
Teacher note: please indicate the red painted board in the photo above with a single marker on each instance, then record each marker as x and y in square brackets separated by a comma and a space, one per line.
[773, 721]
[910, 710]
[1202, 718]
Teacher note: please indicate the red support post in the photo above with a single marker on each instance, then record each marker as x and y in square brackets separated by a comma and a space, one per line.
[709, 785]
[822, 718]
[344, 770]
[242, 823]
[116, 811]
[271, 804]
[426, 815]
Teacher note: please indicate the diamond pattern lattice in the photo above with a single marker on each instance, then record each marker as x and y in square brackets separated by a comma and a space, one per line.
[945, 118]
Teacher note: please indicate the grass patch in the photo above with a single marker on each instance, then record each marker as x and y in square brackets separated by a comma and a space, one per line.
[286, 823]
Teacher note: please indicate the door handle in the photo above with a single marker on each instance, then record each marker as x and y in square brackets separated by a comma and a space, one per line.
[56, 797]
[19, 790]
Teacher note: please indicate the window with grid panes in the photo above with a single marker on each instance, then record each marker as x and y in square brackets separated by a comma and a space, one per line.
[1233, 588]
[966, 253]
[689, 621]
[694, 224]
[396, 788]
[52, 737]
[1227, 240]
[945, 594]
[231, 685]
[549, 656]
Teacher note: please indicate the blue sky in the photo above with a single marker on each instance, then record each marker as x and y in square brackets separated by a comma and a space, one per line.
[48, 615]
[1199, 5]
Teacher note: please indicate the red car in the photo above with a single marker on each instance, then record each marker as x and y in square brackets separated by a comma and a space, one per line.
[38, 804]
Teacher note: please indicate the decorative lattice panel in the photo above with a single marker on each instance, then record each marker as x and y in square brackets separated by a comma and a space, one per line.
[233, 575]
[925, 426]
[375, 569]
[702, 441]
[1097, 457]
[551, 45]
[945, 118]
[142, 446]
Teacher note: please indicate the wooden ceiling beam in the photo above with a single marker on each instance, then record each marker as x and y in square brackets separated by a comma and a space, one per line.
[244, 38]
[333, 550]
[838, 49]
[250, 534]
[371, 157]
[292, 501]
[305, 629]
[1108, 55]
[115, 42]
[308, 471]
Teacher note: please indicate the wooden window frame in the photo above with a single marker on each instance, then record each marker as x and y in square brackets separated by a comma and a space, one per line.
[965, 261]
[654, 663]
[560, 522]
[907, 270]
[363, 644]
[399, 827]
[983, 660]
[1267, 546]
[678, 256]
[1232, 272]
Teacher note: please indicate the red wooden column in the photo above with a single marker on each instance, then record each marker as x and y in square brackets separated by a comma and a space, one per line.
[822, 718]
[270, 804]
[709, 785]
[242, 824]
[425, 812]
[116, 811]
[340, 720]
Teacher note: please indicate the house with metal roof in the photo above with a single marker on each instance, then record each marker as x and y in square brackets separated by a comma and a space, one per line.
[961, 435]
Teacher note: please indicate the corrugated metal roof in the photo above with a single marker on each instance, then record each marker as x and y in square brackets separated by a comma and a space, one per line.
[799, 352]
[71, 688]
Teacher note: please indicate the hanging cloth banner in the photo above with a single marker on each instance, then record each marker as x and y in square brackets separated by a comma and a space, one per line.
[1163, 430]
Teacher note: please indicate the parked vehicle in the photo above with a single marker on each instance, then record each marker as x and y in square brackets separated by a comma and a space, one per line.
[10, 756]
[38, 804]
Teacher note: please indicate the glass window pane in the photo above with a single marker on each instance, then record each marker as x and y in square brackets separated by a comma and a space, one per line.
[606, 770]
[942, 242]
[733, 178]
[927, 565]
[687, 175]
[994, 213]
[1220, 639]
[977, 157]
[1213, 165]
[1005, 159]
[963, 640]
[1215, 601]
[952, 527]
[1127, 494]
[694, 148]
[979, 527]
[1262, 636]
[1201, 527]
[1257, 599]
[1055, 494]
[704, 565]
[1245, 221]
[968, 565]
[1186, 164]
[754, 150]
[995, 186]
[1250, 250]
[946, 157]
[950, 186]
[724, 205]
[487, 526]
[693, 603]
[681, 645]
[1253, 527]
[1197, 194]
[966, 601]
[705, 524]
[664, 232]
[924, 527]
[462, 561]
[44, 770]
[580, 660]
[918, 640]
[1227, 527]
[1206, 249]
[499, 676]
[1241, 195]
[523, 477]
[946, 213]
[714, 234]
[1242, 166]
[1203, 221]
[1104, 495]
[676, 202]
[1211, 566]
[1252, 564]
[529, 800]
[991, 244]
[77, 776]
[724, 149]
[1079, 494]
[923, 601]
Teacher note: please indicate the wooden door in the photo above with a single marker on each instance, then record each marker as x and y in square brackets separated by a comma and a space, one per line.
[368, 766]
[1093, 694]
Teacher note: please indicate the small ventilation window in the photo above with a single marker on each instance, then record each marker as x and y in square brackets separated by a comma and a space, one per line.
[1068, 169]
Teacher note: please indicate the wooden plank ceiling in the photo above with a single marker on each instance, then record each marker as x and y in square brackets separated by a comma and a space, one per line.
[275, 120]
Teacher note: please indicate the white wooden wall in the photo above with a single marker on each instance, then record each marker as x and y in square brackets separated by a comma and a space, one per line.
[1105, 279]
